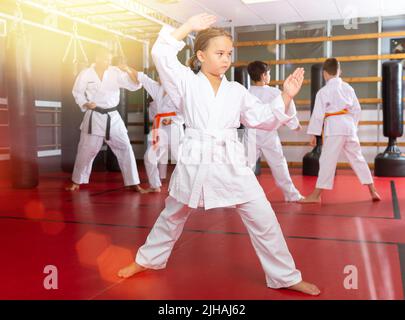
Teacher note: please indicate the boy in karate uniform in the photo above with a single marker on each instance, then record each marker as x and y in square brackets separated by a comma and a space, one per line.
[212, 170]
[167, 131]
[97, 93]
[337, 110]
[263, 142]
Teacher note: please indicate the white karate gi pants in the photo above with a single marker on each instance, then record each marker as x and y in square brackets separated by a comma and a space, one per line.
[90, 145]
[156, 160]
[259, 219]
[331, 149]
[269, 145]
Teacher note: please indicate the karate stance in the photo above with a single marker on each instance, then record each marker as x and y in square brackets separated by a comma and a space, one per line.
[337, 110]
[212, 170]
[97, 92]
[167, 132]
[267, 143]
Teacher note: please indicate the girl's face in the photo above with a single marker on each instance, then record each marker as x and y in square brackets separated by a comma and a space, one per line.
[266, 77]
[217, 58]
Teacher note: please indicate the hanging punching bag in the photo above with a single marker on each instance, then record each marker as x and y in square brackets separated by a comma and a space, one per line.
[3, 92]
[310, 165]
[71, 115]
[111, 159]
[241, 75]
[22, 115]
[391, 163]
[146, 100]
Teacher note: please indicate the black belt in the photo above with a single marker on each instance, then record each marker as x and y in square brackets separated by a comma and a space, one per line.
[102, 111]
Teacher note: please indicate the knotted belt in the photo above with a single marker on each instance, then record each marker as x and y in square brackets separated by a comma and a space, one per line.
[209, 140]
[156, 125]
[102, 111]
[337, 113]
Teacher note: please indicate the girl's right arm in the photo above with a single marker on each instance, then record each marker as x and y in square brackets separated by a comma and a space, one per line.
[173, 74]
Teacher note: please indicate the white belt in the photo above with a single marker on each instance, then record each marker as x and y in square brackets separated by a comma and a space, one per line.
[208, 139]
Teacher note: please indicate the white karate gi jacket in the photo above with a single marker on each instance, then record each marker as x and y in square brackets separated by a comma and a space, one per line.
[335, 96]
[161, 102]
[212, 170]
[105, 93]
[267, 94]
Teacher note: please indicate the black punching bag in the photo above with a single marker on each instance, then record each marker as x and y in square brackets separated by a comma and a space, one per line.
[22, 116]
[391, 163]
[71, 115]
[146, 100]
[241, 75]
[310, 165]
[3, 91]
[111, 159]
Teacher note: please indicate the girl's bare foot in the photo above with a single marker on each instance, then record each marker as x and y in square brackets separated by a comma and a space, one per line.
[73, 187]
[314, 197]
[295, 201]
[305, 287]
[373, 192]
[310, 199]
[375, 196]
[153, 190]
[137, 188]
[130, 270]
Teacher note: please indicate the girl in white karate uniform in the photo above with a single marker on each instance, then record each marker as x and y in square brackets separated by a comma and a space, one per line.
[166, 134]
[212, 170]
[267, 143]
[337, 111]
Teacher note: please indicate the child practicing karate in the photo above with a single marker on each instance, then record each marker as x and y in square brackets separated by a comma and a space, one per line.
[97, 92]
[337, 111]
[212, 170]
[267, 143]
[167, 132]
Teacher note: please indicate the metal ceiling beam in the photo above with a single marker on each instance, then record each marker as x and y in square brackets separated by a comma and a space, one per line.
[82, 5]
[148, 23]
[48, 28]
[145, 12]
[78, 20]
[100, 13]
[145, 28]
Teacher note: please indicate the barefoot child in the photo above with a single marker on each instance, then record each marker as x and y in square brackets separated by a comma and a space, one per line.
[97, 92]
[263, 142]
[212, 170]
[337, 109]
[166, 134]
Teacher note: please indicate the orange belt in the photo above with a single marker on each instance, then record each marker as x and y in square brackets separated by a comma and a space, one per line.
[337, 113]
[156, 125]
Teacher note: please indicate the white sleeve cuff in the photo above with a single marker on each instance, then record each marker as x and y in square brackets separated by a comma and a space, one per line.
[293, 123]
[141, 76]
[82, 107]
[279, 110]
[165, 33]
[314, 131]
